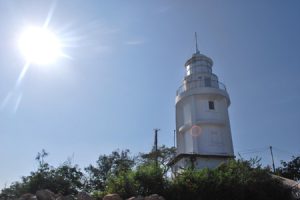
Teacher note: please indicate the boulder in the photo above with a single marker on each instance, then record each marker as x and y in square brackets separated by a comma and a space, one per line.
[58, 196]
[45, 195]
[136, 198]
[84, 196]
[68, 197]
[112, 197]
[27, 196]
[154, 197]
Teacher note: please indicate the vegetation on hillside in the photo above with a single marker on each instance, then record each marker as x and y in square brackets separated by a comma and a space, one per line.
[145, 174]
[290, 169]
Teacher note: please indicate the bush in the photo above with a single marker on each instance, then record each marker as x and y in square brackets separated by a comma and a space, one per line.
[145, 180]
[150, 179]
[235, 180]
[116, 173]
[98, 194]
[124, 184]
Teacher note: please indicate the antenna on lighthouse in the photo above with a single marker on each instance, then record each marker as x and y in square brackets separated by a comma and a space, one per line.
[196, 40]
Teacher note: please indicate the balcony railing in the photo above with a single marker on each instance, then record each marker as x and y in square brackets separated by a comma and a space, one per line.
[200, 84]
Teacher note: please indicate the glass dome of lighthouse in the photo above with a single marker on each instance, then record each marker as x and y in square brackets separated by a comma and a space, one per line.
[198, 63]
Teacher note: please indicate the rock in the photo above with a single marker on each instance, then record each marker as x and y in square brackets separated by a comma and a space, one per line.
[154, 197]
[58, 196]
[136, 198]
[27, 196]
[112, 197]
[68, 197]
[45, 195]
[84, 196]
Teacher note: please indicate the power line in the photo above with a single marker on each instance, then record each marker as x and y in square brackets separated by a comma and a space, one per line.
[255, 150]
[283, 151]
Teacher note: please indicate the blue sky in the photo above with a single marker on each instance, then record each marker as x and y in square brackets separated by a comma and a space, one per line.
[126, 63]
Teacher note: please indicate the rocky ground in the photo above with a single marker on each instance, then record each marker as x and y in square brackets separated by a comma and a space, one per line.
[49, 195]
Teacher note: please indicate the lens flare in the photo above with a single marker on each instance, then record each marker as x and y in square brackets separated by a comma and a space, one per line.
[195, 131]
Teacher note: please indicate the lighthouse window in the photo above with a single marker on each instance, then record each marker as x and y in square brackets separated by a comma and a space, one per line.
[211, 105]
[207, 82]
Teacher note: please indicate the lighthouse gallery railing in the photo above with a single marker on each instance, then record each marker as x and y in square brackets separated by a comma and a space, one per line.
[200, 84]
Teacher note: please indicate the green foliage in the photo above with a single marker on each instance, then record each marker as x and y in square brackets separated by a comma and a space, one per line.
[163, 154]
[290, 169]
[150, 179]
[98, 194]
[15, 190]
[119, 173]
[68, 179]
[115, 163]
[124, 184]
[146, 179]
[234, 180]
[65, 179]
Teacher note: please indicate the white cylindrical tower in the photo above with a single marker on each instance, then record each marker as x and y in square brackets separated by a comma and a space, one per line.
[202, 120]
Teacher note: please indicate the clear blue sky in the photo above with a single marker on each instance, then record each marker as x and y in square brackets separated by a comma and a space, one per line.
[126, 64]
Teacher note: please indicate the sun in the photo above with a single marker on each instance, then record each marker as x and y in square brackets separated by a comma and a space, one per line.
[39, 46]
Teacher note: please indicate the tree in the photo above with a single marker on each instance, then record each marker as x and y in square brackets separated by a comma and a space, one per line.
[65, 179]
[232, 180]
[12, 192]
[150, 179]
[163, 154]
[290, 169]
[124, 184]
[40, 158]
[108, 165]
[68, 179]
[146, 179]
[117, 173]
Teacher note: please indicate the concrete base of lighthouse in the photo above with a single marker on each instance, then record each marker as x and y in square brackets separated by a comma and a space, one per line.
[197, 161]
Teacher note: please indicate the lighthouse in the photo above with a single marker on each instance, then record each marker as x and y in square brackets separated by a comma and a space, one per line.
[202, 121]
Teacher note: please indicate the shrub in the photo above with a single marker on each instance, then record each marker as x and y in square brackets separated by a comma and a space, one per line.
[234, 180]
[124, 184]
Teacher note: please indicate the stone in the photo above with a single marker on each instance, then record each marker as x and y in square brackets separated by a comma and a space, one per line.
[136, 198]
[45, 195]
[112, 197]
[27, 196]
[84, 196]
[58, 196]
[154, 197]
[68, 197]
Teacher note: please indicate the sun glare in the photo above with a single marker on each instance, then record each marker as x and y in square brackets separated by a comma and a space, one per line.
[39, 46]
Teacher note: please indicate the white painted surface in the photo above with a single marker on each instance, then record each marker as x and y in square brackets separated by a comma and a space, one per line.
[201, 130]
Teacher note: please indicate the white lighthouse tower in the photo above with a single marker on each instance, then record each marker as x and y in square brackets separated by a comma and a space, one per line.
[202, 121]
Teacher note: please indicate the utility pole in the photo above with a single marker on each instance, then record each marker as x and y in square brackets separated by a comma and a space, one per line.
[174, 138]
[272, 158]
[155, 145]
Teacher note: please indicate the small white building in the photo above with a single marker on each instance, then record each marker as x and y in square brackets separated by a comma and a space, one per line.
[202, 121]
